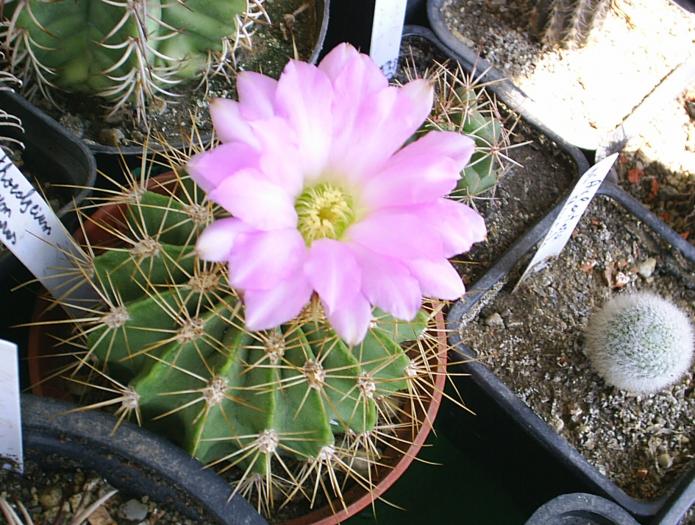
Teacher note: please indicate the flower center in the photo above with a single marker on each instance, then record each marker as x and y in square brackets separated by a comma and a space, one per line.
[324, 210]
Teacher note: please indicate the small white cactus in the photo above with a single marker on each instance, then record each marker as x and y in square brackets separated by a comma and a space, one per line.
[640, 342]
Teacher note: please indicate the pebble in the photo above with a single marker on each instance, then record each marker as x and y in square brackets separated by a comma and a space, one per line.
[111, 136]
[51, 497]
[646, 268]
[664, 460]
[134, 510]
[494, 320]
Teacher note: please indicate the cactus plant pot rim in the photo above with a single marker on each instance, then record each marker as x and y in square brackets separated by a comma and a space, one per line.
[356, 499]
[517, 410]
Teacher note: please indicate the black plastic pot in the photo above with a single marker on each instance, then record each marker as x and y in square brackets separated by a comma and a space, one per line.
[110, 155]
[52, 155]
[133, 460]
[580, 509]
[513, 415]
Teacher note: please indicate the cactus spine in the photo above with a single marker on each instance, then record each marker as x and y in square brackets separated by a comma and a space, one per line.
[464, 106]
[640, 342]
[287, 406]
[125, 51]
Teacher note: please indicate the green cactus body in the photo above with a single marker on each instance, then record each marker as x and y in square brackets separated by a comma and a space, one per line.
[174, 337]
[566, 22]
[121, 51]
[464, 107]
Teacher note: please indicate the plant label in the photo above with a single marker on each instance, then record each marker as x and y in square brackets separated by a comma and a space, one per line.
[10, 414]
[565, 223]
[387, 29]
[33, 233]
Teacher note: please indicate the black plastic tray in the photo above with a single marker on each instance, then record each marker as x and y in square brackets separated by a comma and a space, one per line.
[522, 417]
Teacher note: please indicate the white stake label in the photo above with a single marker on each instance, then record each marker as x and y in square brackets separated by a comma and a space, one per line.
[563, 226]
[387, 29]
[34, 234]
[10, 413]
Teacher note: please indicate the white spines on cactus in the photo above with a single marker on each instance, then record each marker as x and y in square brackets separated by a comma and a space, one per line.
[640, 342]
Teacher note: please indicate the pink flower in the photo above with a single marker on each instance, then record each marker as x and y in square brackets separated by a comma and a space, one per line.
[325, 198]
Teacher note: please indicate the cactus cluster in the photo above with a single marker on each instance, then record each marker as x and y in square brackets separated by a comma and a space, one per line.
[124, 51]
[640, 342]
[566, 22]
[294, 408]
[464, 106]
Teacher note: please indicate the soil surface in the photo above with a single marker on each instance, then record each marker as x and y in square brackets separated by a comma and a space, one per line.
[538, 174]
[583, 93]
[533, 341]
[657, 165]
[293, 24]
[56, 496]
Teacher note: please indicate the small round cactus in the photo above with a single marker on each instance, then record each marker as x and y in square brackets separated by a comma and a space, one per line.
[640, 342]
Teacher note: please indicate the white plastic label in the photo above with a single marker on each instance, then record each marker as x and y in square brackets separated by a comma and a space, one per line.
[33, 233]
[387, 29]
[10, 414]
[563, 226]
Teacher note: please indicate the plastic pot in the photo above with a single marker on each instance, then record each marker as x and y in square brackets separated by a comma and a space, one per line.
[581, 509]
[132, 460]
[52, 155]
[514, 416]
[41, 341]
[110, 155]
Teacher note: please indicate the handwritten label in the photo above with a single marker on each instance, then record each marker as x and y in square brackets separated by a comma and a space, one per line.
[387, 28]
[33, 233]
[10, 414]
[563, 226]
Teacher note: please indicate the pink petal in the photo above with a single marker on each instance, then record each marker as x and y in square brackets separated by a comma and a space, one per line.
[216, 241]
[351, 319]
[458, 225]
[455, 146]
[280, 159]
[256, 95]
[355, 77]
[333, 273]
[256, 201]
[437, 278]
[210, 168]
[388, 284]
[304, 96]
[229, 125]
[396, 233]
[259, 260]
[386, 119]
[410, 179]
[270, 308]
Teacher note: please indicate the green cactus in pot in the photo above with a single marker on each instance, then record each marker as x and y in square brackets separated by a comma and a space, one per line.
[123, 51]
[464, 106]
[290, 409]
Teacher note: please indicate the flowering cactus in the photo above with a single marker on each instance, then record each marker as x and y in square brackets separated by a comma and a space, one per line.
[640, 342]
[290, 339]
[324, 201]
[123, 50]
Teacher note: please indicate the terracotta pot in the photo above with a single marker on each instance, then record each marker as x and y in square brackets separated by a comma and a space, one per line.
[44, 381]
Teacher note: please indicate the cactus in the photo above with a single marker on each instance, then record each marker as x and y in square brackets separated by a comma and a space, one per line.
[566, 22]
[464, 106]
[287, 406]
[125, 51]
[640, 342]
